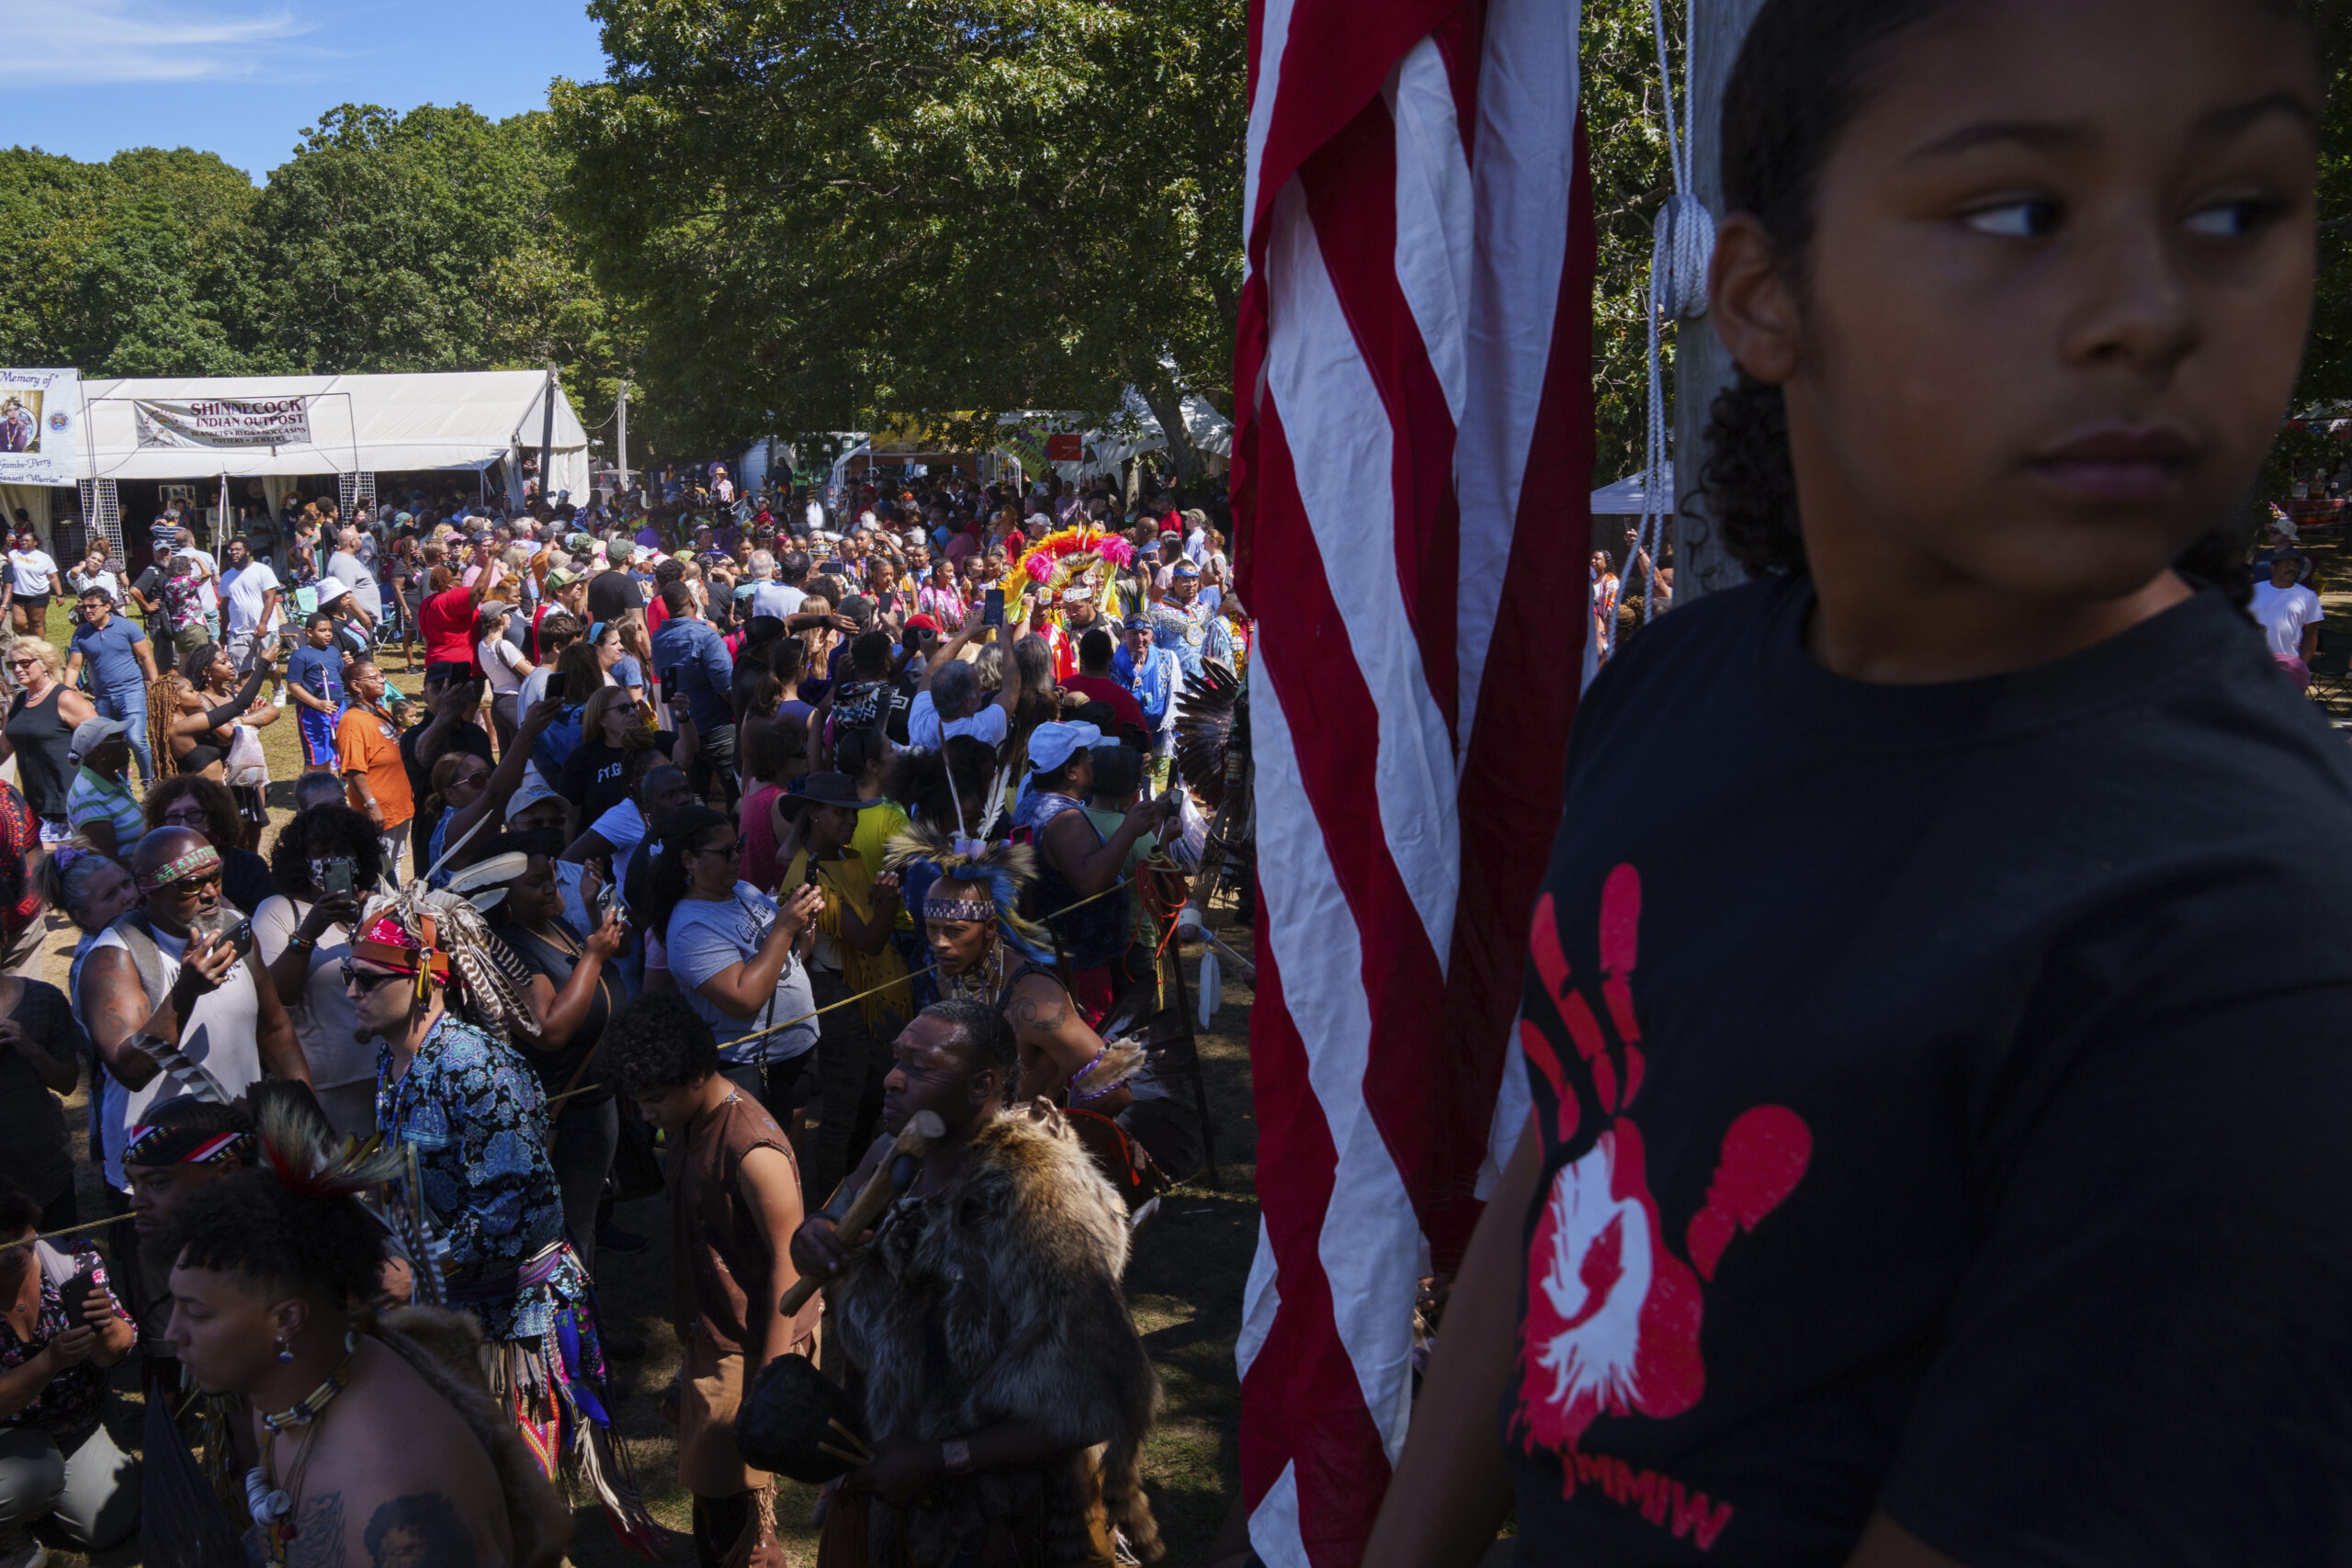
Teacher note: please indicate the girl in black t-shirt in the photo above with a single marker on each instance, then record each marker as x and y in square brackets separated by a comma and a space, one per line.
[1937, 1037]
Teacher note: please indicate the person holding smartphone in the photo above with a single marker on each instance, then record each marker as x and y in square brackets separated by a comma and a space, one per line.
[60, 1329]
[947, 696]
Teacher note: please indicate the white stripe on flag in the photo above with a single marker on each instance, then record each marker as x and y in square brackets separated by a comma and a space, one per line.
[1370, 1239]
[1433, 258]
[1523, 170]
[1341, 445]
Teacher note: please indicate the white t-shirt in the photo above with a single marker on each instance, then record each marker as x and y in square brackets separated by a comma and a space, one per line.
[769, 597]
[622, 827]
[502, 662]
[2284, 614]
[31, 570]
[222, 1035]
[707, 936]
[247, 587]
[924, 732]
[322, 1015]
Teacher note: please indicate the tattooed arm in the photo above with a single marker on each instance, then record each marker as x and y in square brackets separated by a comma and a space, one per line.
[1056, 1042]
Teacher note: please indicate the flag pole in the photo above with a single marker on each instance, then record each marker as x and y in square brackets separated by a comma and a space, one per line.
[1701, 369]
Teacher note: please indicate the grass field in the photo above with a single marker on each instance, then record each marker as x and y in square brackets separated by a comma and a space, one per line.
[1184, 1284]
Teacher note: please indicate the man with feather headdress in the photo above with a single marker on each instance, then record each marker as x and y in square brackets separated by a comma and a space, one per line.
[424, 977]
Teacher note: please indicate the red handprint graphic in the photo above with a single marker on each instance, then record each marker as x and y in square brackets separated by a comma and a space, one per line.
[1612, 1314]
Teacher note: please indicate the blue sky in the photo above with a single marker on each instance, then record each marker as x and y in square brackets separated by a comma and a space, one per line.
[244, 77]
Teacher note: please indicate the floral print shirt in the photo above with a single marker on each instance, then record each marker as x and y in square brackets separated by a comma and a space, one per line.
[183, 601]
[70, 1407]
[476, 1113]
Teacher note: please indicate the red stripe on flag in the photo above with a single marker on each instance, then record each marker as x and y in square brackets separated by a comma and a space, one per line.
[1302, 1401]
[1515, 770]
[1350, 188]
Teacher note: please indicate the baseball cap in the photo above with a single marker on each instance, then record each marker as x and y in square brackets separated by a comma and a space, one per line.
[1051, 745]
[533, 791]
[562, 577]
[493, 607]
[91, 734]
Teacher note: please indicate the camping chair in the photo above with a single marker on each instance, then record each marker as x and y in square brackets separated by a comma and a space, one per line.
[2330, 665]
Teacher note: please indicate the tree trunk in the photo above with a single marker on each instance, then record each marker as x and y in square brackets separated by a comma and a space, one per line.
[1166, 405]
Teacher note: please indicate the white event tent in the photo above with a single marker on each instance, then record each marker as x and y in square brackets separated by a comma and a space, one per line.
[354, 427]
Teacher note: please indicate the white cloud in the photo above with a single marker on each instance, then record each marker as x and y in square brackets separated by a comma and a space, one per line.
[80, 42]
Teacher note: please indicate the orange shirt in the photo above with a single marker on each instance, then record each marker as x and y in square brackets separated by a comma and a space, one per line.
[366, 742]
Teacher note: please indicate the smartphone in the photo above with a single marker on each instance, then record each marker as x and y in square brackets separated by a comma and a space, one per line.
[608, 902]
[74, 1296]
[993, 608]
[240, 937]
[335, 878]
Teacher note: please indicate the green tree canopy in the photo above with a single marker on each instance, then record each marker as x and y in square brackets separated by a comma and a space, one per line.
[820, 210]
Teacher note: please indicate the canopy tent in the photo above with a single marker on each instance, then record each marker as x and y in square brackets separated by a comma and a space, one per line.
[165, 428]
[1623, 498]
[1138, 431]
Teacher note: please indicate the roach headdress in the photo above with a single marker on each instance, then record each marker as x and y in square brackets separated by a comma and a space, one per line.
[1006, 870]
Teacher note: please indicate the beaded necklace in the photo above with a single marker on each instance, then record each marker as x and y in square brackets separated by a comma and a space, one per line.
[273, 1508]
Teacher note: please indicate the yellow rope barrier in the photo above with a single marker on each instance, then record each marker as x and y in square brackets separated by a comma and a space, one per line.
[69, 1230]
[905, 980]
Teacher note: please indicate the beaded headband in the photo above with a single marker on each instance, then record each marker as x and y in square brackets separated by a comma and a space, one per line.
[199, 861]
[959, 909]
[183, 1146]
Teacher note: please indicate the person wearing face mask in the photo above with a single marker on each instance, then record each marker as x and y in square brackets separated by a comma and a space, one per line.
[302, 932]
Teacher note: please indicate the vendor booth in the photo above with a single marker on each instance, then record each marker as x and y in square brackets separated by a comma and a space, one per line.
[220, 443]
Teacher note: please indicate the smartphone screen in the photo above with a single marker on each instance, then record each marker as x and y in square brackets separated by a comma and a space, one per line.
[993, 608]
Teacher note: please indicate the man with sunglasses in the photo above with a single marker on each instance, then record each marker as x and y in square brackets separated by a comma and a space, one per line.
[449, 1002]
[174, 1007]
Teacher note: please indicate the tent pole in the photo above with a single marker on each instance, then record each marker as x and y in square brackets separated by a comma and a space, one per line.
[622, 482]
[547, 440]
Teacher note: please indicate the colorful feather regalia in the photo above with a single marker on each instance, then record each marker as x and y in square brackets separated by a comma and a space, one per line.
[1006, 870]
[441, 939]
[305, 1155]
[1084, 558]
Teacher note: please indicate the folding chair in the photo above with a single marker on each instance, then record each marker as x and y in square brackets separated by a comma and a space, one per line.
[2330, 665]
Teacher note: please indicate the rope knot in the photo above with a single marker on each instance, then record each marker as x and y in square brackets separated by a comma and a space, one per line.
[1682, 243]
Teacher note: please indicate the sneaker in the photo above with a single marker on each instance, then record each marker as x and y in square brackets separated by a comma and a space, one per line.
[610, 1238]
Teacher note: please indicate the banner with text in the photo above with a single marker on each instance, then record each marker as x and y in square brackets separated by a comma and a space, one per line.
[223, 422]
[41, 426]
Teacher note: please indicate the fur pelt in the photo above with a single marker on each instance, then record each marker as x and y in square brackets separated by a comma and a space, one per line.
[444, 1348]
[999, 1300]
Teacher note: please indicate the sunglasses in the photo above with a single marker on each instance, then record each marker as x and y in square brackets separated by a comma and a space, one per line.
[367, 979]
[192, 817]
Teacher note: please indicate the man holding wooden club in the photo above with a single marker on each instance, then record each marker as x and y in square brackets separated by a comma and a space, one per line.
[990, 1346]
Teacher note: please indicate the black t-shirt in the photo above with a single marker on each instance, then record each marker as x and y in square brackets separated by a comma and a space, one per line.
[1943, 1091]
[592, 777]
[523, 953]
[612, 595]
[462, 738]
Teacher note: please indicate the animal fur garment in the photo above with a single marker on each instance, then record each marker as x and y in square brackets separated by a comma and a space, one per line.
[999, 1300]
[445, 1349]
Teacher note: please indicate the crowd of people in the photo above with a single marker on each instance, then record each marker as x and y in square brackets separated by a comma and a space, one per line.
[675, 827]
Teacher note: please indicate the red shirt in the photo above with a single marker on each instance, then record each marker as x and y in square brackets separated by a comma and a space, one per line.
[447, 622]
[1124, 709]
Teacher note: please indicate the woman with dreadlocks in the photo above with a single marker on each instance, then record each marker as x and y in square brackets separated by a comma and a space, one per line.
[425, 977]
[374, 1441]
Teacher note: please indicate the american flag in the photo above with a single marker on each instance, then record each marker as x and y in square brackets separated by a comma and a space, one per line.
[1412, 460]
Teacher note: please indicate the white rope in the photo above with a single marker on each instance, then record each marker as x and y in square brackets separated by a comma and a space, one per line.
[1682, 242]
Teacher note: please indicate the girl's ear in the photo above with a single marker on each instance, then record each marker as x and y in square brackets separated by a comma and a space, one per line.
[1753, 307]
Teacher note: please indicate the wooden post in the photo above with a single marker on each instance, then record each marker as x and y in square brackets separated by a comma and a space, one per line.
[1701, 369]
